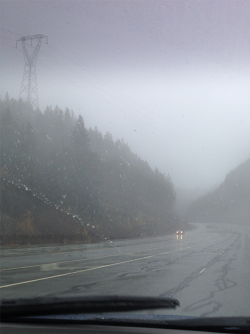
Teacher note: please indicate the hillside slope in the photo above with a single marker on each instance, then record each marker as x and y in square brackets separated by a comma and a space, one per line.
[80, 172]
[229, 203]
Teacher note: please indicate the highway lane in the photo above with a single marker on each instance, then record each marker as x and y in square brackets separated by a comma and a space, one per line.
[208, 270]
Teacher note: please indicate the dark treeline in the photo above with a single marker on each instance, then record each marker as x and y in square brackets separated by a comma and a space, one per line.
[99, 182]
[229, 203]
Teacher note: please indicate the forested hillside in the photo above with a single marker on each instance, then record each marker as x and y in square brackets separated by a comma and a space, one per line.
[104, 187]
[229, 203]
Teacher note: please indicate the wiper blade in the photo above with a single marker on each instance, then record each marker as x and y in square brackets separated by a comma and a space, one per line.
[96, 304]
[176, 322]
[213, 324]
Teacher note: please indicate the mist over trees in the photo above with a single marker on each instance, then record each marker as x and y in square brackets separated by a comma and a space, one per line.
[98, 183]
[229, 203]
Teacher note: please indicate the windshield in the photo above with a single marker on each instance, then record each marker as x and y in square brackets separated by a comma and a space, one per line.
[125, 151]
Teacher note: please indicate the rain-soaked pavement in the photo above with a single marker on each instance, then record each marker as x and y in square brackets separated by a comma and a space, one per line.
[207, 270]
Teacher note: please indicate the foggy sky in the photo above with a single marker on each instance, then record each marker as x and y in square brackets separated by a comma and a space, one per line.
[170, 77]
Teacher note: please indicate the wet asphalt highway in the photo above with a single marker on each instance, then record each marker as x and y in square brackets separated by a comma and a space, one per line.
[207, 270]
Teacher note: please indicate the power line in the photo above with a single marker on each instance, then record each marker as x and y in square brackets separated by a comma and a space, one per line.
[11, 32]
[115, 106]
[10, 39]
[98, 96]
[198, 138]
[9, 46]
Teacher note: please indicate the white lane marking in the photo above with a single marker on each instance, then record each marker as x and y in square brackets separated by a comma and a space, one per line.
[202, 270]
[92, 258]
[86, 259]
[95, 268]
[49, 266]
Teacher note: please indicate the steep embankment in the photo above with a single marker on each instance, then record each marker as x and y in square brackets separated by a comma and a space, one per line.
[229, 203]
[27, 217]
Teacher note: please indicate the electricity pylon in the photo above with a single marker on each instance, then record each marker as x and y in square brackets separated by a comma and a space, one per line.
[28, 90]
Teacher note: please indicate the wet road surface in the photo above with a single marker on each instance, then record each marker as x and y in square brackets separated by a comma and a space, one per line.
[207, 270]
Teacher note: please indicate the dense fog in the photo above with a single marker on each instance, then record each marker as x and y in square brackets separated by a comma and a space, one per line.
[170, 78]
